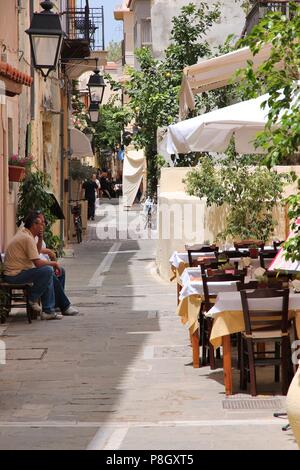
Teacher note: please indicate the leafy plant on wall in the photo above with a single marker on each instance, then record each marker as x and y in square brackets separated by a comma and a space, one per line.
[250, 193]
[279, 77]
[34, 195]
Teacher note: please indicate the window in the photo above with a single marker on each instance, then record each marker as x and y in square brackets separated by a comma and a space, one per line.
[146, 32]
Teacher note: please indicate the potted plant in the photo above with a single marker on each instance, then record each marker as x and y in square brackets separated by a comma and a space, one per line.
[17, 167]
[253, 250]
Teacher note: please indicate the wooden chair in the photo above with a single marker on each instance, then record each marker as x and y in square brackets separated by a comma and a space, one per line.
[192, 249]
[236, 253]
[247, 243]
[13, 296]
[266, 255]
[264, 326]
[277, 244]
[206, 323]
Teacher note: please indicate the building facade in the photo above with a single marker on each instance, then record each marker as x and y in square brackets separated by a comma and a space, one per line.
[14, 80]
[162, 11]
[149, 23]
[34, 113]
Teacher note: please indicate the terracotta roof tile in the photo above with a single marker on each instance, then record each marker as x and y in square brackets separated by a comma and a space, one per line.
[14, 74]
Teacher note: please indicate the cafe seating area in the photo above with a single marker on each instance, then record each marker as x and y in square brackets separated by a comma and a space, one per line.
[241, 314]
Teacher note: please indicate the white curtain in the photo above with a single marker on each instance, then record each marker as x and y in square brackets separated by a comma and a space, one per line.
[133, 169]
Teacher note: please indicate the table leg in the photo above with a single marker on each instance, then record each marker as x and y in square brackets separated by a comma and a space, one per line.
[178, 292]
[195, 347]
[227, 364]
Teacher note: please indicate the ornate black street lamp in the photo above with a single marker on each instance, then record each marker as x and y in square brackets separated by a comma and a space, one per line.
[94, 112]
[96, 87]
[46, 37]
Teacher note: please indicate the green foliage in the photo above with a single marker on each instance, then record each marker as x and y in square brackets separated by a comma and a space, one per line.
[34, 195]
[188, 41]
[114, 51]
[113, 118]
[79, 172]
[153, 90]
[292, 246]
[279, 76]
[249, 192]
[79, 116]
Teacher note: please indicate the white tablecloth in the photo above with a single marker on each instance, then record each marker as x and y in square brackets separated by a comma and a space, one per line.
[177, 258]
[231, 301]
[195, 287]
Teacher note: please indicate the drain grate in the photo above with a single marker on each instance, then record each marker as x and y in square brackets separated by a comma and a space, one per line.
[253, 404]
[25, 354]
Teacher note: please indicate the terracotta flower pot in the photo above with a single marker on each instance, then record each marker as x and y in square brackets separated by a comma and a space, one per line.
[16, 173]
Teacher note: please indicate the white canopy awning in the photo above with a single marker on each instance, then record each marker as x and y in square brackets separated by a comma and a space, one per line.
[213, 131]
[80, 144]
[216, 73]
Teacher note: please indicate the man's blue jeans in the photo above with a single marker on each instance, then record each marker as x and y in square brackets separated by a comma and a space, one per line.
[61, 300]
[43, 285]
[62, 277]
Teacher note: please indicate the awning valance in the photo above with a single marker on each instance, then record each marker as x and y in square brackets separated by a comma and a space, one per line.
[216, 73]
[80, 145]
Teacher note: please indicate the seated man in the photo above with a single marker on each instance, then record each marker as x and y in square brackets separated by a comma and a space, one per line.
[23, 264]
[62, 302]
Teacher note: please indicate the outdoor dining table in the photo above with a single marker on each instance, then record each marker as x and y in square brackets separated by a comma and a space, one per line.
[190, 298]
[227, 314]
[179, 261]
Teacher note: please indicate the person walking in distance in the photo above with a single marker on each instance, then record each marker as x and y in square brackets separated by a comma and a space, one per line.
[91, 188]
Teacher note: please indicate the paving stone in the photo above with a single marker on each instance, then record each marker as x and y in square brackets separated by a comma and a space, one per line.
[96, 373]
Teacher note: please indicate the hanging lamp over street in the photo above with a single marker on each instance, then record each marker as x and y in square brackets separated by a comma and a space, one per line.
[96, 86]
[46, 37]
[94, 112]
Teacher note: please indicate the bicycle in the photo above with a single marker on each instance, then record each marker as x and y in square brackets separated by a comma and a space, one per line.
[149, 210]
[76, 211]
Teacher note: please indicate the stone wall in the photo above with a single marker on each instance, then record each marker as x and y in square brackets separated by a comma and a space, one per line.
[162, 11]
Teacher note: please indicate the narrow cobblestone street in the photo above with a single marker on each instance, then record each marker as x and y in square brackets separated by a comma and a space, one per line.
[119, 375]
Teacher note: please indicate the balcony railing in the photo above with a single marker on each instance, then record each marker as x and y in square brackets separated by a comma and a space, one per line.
[87, 25]
[261, 8]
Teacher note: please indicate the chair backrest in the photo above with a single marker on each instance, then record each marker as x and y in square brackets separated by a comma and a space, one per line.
[192, 249]
[209, 265]
[1, 267]
[236, 253]
[218, 277]
[273, 316]
[277, 244]
[247, 285]
[247, 243]
[264, 255]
